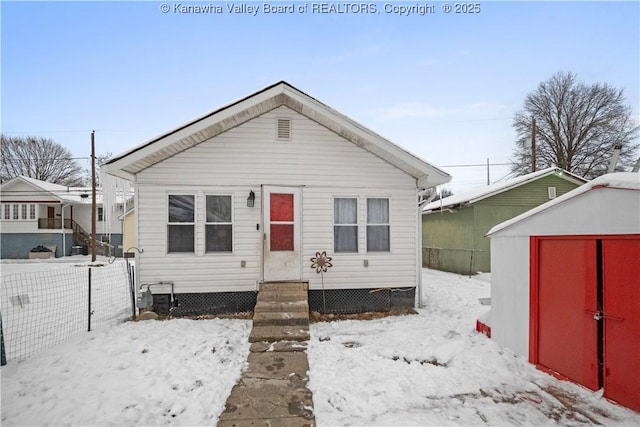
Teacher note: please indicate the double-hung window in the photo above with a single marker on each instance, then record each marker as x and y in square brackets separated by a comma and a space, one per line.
[7, 212]
[16, 211]
[181, 223]
[24, 211]
[378, 239]
[32, 211]
[100, 214]
[219, 224]
[345, 225]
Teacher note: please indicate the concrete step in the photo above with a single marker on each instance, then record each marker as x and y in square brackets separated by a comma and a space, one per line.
[280, 297]
[278, 347]
[279, 333]
[269, 286]
[282, 307]
[265, 318]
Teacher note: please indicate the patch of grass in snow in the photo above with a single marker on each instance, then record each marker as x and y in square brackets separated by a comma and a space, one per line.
[316, 316]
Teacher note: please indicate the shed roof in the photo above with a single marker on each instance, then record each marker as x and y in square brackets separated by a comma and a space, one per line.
[619, 180]
[203, 128]
[480, 193]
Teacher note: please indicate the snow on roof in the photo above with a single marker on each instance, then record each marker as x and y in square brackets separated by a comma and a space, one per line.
[62, 192]
[620, 180]
[498, 187]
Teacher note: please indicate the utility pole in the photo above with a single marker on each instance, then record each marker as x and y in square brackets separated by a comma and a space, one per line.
[533, 144]
[93, 196]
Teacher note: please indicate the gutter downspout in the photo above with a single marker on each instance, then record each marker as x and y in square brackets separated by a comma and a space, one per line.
[419, 252]
[419, 193]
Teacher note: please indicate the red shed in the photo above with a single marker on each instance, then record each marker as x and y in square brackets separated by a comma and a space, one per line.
[566, 286]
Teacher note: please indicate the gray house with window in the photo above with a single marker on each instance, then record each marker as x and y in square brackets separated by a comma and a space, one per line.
[250, 192]
[35, 213]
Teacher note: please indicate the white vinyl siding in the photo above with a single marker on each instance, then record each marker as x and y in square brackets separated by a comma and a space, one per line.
[324, 164]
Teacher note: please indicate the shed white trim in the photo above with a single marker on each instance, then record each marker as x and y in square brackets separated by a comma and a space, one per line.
[620, 180]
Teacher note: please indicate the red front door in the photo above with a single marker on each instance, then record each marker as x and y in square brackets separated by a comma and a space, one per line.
[282, 237]
[621, 273]
[567, 333]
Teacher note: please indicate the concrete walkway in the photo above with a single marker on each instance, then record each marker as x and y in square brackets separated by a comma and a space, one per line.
[273, 389]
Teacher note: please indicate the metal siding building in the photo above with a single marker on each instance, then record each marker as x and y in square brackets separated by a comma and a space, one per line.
[453, 231]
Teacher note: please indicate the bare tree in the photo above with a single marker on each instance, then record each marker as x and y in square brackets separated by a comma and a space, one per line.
[40, 158]
[577, 127]
[101, 159]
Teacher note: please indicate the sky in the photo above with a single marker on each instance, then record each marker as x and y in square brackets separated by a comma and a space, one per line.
[444, 86]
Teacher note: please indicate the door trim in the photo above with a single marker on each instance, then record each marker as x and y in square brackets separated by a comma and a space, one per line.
[298, 224]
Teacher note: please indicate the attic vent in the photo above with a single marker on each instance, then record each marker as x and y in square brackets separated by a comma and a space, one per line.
[552, 192]
[283, 130]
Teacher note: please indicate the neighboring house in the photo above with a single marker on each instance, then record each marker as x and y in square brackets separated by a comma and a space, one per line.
[33, 212]
[129, 235]
[249, 193]
[453, 228]
[565, 286]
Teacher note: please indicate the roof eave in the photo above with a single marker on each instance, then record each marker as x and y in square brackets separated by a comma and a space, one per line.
[212, 124]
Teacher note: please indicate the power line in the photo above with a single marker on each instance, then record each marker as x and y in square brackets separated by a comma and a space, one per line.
[475, 165]
[72, 131]
[51, 159]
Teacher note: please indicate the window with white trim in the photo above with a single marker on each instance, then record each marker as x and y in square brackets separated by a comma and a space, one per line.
[219, 224]
[181, 223]
[23, 209]
[378, 233]
[16, 211]
[100, 214]
[32, 211]
[345, 224]
[7, 211]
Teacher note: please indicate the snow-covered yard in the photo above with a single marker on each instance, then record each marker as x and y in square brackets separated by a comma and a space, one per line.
[424, 369]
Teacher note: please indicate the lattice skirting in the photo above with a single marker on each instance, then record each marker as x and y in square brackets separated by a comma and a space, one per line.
[361, 300]
[205, 303]
[335, 301]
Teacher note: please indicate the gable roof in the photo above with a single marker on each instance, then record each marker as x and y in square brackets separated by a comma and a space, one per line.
[480, 193]
[203, 128]
[62, 193]
[619, 180]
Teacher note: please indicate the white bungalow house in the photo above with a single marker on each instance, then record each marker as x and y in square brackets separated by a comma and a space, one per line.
[250, 192]
[565, 286]
[38, 213]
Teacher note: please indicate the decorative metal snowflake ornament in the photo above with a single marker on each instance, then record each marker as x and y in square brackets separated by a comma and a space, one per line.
[321, 262]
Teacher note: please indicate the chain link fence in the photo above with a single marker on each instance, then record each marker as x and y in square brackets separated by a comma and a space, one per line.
[45, 308]
[456, 260]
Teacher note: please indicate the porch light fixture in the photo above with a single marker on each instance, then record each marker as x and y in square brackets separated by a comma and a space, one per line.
[251, 199]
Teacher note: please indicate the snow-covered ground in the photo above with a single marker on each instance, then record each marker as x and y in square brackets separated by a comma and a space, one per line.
[424, 369]
[46, 302]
